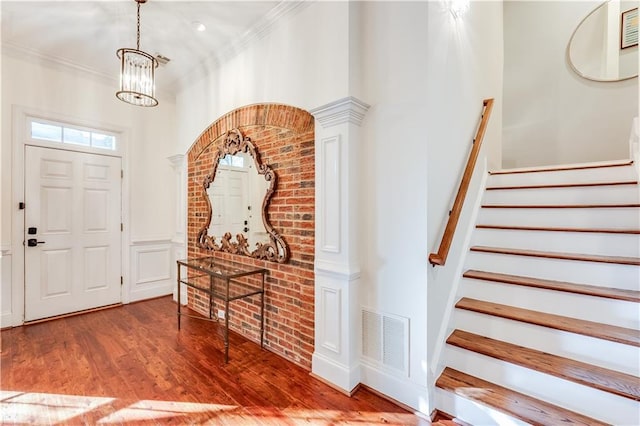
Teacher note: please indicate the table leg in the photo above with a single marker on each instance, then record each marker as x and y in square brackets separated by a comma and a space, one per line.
[262, 314]
[179, 296]
[226, 327]
[210, 296]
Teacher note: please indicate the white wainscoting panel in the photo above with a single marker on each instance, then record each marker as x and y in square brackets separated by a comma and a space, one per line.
[330, 306]
[331, 184]
[151, 269]
[6, 312]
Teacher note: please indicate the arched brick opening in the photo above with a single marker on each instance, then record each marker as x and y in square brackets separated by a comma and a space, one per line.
[284, 137]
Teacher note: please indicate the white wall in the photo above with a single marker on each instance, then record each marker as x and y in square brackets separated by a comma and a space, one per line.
[464, 67]
[393, 80]
[551, 115]
[68, 94]
[302, 61]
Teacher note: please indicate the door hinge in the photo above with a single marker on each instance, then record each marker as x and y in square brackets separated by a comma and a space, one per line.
[121, 227]
[121, 174]
[121, 280]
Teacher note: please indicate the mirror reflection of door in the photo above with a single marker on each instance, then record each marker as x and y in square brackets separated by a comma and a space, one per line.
[228, 195]
[236, 195]
[257, 190]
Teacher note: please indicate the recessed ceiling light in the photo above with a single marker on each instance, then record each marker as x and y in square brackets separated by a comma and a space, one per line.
[198, 26]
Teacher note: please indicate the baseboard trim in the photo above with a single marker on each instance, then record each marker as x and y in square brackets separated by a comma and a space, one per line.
[395, 401]
[337, 388]
[401, 390]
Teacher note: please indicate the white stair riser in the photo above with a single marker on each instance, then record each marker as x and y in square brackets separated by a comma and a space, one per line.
[603, 174]
[588, 401]
[471, 412]
[565, 242]
[618, 194]
[594, 218]
[590, 273]
[569, 345]
[597, 309]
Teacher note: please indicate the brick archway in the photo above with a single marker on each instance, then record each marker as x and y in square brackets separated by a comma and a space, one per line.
[284, 137]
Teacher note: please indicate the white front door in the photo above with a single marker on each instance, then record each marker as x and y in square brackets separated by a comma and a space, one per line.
[72, 217]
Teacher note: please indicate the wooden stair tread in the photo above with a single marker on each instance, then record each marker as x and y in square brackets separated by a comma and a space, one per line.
[621, 163]
[589, 290]
[622, 260]
[562, 185]
[556, 229]
[612, 333]
[516, 404]
[611, 381]
[560, 206]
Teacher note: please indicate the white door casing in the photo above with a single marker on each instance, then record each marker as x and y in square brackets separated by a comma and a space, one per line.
[73, 199]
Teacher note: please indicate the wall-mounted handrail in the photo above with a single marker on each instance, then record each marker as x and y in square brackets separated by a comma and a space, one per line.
[440, 257]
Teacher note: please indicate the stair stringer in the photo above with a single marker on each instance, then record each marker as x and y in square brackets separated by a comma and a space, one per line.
[435, 367]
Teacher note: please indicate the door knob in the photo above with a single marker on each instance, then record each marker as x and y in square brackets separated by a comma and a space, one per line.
[32, 242]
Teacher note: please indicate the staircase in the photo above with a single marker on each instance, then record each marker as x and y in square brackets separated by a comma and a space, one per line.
[547, 326]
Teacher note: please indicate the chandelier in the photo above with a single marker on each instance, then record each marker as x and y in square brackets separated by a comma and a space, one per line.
[137, 73]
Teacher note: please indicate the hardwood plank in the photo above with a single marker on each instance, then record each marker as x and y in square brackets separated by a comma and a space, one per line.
[548, 229]
[606, 380]
[587, 328]
[516, 404]
[561, 168]
[144, 369]
[562, 185]
[621, 260]
[589, 290]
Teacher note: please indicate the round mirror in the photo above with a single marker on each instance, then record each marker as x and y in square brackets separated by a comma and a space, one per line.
[604, 46]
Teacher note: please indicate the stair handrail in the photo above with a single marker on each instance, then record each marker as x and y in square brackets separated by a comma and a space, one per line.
[440, 257]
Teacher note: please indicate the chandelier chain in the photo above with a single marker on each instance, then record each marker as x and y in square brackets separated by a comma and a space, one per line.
[138, 29]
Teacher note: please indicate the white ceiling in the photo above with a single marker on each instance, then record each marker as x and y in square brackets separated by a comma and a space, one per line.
[88, 33]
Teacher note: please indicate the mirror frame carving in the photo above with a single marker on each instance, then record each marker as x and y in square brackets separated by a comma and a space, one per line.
[276, 250]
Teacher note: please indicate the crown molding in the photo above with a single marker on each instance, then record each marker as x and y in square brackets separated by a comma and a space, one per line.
[28, 54]
[345, 110]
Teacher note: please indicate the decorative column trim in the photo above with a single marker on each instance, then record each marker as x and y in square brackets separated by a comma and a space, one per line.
[336, 357]
[179, 242]
[345, 110]
[176, 160]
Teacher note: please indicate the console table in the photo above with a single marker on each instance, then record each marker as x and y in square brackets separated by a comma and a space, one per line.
[219, 279]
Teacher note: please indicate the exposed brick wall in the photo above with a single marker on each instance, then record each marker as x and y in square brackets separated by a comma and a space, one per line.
[284, 137]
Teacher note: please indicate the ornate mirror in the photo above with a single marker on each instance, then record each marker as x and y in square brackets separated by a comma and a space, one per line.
[604, 46]
[237, 194]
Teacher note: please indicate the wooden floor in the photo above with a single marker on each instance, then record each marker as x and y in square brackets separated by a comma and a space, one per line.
[131, 365]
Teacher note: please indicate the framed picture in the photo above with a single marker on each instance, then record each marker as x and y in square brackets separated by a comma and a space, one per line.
[629, 29]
